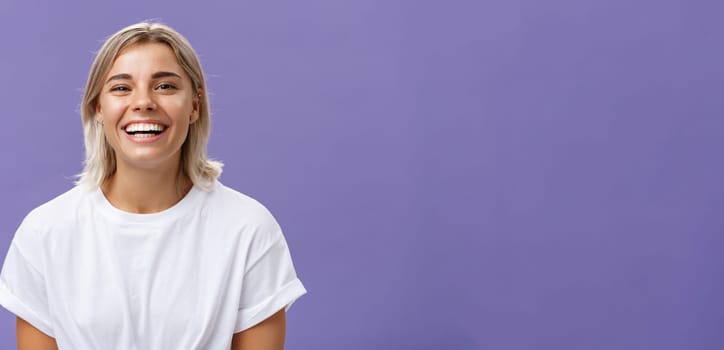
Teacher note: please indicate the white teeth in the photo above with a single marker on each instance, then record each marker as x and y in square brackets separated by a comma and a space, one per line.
[144, 127]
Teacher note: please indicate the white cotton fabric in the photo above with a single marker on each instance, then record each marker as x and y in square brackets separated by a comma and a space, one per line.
[95, 277]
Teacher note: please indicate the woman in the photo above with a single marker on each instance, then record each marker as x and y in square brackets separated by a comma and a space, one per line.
[149, 250]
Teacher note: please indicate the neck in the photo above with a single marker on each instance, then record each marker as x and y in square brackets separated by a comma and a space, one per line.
[144, 191]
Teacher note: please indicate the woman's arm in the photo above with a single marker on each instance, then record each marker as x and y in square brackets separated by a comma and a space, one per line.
[30, 338]
[267, 335]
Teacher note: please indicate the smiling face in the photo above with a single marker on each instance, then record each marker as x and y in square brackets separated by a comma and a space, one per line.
[146, 105]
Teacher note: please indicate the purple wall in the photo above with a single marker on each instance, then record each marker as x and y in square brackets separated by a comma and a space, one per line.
[450, 174]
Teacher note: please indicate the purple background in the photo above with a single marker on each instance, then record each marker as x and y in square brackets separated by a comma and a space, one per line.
[514, 174]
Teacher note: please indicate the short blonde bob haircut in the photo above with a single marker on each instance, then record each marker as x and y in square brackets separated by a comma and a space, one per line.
[100, 159]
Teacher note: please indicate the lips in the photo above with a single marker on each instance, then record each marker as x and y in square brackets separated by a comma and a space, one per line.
[144, 128]
[144, 131]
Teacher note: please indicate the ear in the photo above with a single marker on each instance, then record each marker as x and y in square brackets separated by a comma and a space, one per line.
[196, 107]
[99, 115]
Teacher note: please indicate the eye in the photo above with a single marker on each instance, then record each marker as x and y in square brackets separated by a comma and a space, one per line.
[120, 88]
[166, 86]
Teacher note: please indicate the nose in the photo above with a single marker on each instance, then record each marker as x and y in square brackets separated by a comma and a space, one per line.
[143, 101]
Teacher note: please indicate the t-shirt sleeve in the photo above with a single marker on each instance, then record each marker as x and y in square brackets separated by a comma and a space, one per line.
[270, 281]
[22, 285]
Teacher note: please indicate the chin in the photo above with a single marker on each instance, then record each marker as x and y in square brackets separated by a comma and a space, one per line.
[148, 161]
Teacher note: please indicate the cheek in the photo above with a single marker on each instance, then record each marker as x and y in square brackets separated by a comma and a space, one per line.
[180, 109]
[110, 108]
[183, 105]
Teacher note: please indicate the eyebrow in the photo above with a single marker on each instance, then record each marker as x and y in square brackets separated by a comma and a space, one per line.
[161, 74]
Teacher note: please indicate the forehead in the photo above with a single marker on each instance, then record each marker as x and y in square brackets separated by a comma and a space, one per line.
[146, 58]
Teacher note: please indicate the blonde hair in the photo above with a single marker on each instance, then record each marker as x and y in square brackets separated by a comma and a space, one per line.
[100, 159]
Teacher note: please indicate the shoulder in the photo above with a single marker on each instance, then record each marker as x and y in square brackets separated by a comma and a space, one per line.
[248, 221]
[59, 209]
[41, 222]
[232, 206]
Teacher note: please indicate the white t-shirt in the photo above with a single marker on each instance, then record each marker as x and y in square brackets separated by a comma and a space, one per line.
[96, 277]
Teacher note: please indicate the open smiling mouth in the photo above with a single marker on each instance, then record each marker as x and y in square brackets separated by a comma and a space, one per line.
[145, 130]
